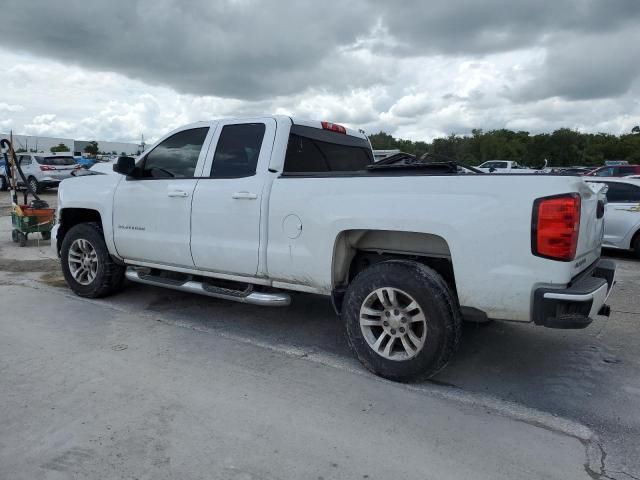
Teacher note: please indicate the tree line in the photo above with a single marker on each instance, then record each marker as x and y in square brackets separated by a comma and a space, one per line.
[563, 147]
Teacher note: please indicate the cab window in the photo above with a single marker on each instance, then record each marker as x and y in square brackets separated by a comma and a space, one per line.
[176, 156]
[238, 150]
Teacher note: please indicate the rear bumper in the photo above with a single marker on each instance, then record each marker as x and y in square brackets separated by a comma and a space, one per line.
[49, 182]
[576, 305]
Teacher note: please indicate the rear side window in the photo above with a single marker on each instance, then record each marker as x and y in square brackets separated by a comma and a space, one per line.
[238, 150]
[623, 193]
[624, 171]
[55, 160]
[306, 155]
[176, 156]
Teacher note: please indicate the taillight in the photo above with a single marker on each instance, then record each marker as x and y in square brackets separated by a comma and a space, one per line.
[44, 168]
[555, 227]
[334, 127]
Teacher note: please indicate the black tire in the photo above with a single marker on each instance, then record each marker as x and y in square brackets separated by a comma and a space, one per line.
[109, 277]
[430, 291]
[35, 185]
[4, 185]
[636, 245]
[46, 235]
[22, 238]
[14, 236]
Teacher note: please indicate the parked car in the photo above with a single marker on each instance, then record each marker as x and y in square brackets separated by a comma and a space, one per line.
[615, 171]
[609, 163]
[250, 209]
[84, 162]
[45, 170]
[504, 166]
[103, 167]
[4, 182]
[622, 218]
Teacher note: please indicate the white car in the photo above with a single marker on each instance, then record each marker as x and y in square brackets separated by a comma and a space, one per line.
[45, 170]
[622, 218]
[503, 166]
[251, 209]
[105, 167]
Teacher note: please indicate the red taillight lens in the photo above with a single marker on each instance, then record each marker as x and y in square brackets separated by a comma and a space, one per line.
[556, 223]
[334, 127]
[44, 168]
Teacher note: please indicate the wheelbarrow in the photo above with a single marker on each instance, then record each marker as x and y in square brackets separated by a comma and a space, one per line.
[26, 220]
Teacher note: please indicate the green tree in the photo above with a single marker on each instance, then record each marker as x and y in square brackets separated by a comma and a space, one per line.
[563, 147]
[91, 148]
[61, 147]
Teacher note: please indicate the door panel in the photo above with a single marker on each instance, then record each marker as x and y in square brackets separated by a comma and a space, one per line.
[225, 219]
[622, 213]
[151, 223]
[152, 213]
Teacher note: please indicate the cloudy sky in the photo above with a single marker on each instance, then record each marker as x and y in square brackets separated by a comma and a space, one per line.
[112, 69]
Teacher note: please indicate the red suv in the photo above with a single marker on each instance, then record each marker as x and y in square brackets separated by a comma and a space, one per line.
[616, 171]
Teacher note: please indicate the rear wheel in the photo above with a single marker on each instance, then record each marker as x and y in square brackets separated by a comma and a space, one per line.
[402, 320]
[636, 245]
[86, 264]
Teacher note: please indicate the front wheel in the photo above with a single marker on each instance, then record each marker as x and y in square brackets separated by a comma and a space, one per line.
[636, 245]
[402, 320]
[86, 264]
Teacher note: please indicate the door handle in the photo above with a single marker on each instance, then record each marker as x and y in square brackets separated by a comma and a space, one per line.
[177, 193]
[244, 196]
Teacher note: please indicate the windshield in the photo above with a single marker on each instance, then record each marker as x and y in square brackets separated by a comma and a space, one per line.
[605, 172]
[55, 160]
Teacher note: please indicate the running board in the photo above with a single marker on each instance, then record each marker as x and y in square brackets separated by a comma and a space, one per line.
[192, 286]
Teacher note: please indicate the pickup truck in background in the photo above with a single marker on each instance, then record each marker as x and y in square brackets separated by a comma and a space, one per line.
[504, 166]
[252, 209]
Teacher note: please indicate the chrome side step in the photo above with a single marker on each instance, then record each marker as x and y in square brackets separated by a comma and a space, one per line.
[192, 286]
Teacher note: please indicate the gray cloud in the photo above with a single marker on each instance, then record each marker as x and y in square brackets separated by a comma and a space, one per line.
[473, 27]
[253, 49]
[586, 67]
[113, 69]
[241, 48]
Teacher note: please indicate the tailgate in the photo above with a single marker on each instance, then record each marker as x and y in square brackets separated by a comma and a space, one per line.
[593, 200]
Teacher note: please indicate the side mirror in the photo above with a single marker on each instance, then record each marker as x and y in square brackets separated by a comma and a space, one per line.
[125, 165]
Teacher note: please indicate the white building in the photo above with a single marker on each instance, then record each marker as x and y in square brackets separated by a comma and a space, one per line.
[44, 144]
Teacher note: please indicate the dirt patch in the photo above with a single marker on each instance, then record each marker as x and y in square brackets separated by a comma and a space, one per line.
[44, 265]
[53, 279]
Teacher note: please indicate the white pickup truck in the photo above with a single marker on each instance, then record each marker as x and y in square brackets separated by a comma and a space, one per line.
[252, 209]
[503, 166]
